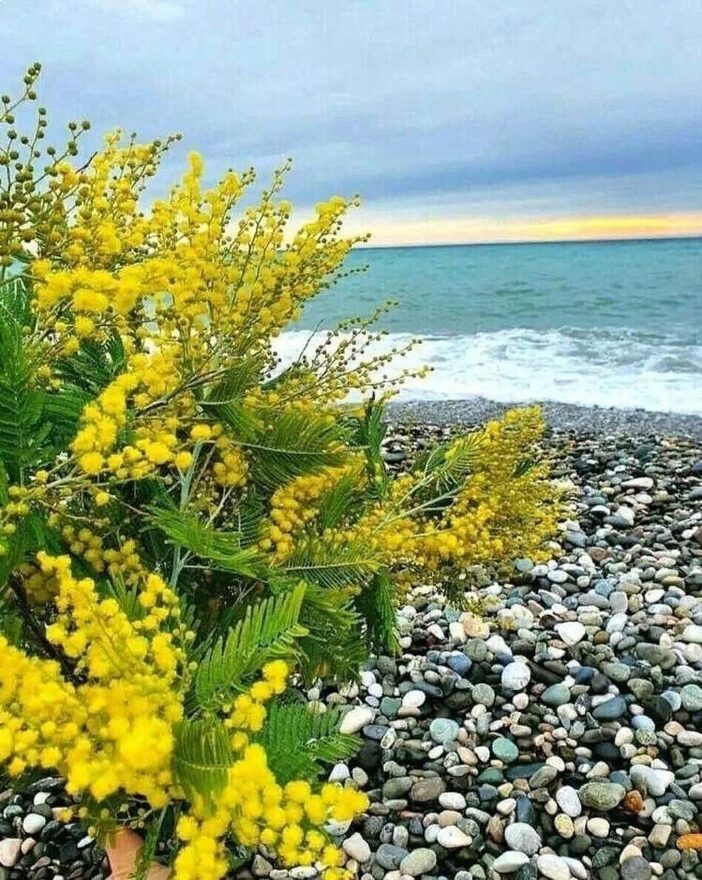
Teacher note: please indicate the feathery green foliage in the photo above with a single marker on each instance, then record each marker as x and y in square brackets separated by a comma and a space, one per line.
[268, 630]
[299, 741]
[318, 561]
[221, 550]
[296, 443]
[202, 756]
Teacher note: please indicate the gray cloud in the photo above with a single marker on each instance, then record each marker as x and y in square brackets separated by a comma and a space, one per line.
[403, 100]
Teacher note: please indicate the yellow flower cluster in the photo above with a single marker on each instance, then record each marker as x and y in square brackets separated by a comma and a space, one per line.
[124, 562]
[249, 712]
[260, 812]
[503, 510]
[40, 714]
[114, 732]
[230, 467]
[256, 809]
[40, 587]
[15, 509]
[85, 543]
[149, 378]
[121, 561]
[294, 505]
[507, 507]
[189, 294]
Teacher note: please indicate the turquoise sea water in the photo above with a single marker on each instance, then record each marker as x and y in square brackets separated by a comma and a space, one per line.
[599, 323]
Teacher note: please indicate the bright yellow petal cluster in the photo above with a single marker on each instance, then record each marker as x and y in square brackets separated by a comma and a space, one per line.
[294, 505]
[506, 509]
[148, 379]
[114, 732]
[258, 811]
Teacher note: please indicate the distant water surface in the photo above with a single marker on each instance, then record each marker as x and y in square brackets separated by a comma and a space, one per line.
[595, 323]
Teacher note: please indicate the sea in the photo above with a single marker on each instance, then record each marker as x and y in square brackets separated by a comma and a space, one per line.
[608, 324]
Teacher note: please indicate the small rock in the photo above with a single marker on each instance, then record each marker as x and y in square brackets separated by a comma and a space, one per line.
[414, 699]
[356, 719]
[509, 862]
[427, 789]
[33, 823]
[568, 800]
[553, 867]
[444, 730]
[505, 750]
[452, 800]
[452, 837]
[692, 633]
[598, 826]
[419, 861]
[556, 695]
[389, 856]
[610, 710]
[564, 826]
[483, 694]
[602, 795]
[356, 848]
[571, 632]
[261, 867]
[644, 483]
[523, 838]
[516, 676]
[659, 836]
[10, 849]
[691, 696]
[635, 868]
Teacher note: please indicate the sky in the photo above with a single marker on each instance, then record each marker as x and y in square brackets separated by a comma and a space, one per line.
[455, 120]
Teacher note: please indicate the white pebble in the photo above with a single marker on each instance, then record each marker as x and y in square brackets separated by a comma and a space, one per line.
[453, 838]
[553, 867]
[452, 800]
[509, 862]
[356, 719]
[414, 699]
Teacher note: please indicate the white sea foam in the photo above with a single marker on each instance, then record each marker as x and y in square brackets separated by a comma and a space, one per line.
[593, 367]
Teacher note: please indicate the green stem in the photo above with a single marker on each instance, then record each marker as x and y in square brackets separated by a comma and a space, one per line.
[186, 485]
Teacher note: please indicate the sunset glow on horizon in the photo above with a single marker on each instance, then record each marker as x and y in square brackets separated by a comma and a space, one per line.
[390, 232]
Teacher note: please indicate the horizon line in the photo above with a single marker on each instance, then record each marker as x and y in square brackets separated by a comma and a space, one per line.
[530, 241]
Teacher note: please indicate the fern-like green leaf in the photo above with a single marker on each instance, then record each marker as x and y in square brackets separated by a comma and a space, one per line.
[236, 381]
[376, 606]
[225, 397]
[63, 410]
[319, 561]
[370, 433]
[295, 443]
[334, 645]
[22, 428]
[248, 516]
[449, 464]
[337, 502]
[299, 742]
[33, 533]
[222, 550]
[202, 756]
[94, 365]
[269, 629]
[524, 467]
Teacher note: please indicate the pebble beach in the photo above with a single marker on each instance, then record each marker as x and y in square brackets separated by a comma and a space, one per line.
[558, 733]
